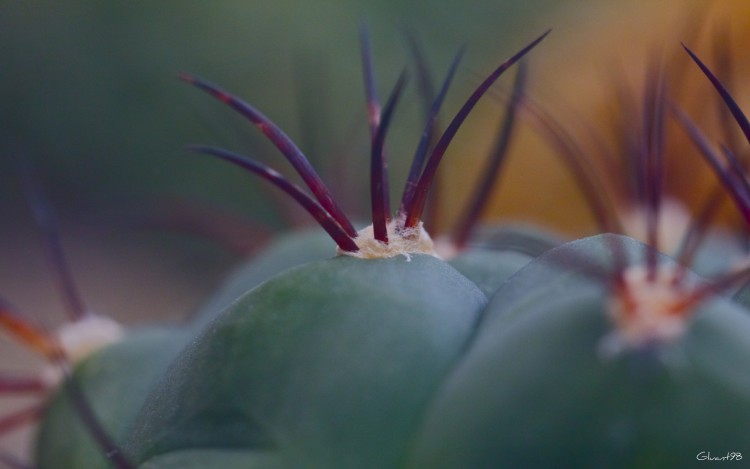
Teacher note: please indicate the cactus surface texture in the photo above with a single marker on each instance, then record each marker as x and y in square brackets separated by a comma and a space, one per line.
[497, 346]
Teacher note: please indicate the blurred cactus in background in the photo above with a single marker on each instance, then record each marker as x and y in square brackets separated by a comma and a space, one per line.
[578, 298]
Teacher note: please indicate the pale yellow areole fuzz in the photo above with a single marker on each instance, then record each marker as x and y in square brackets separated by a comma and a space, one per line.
[401, 242]
[79, 339]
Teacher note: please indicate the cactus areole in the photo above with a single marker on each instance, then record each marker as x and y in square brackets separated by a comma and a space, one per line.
[600, 352]
[386, 237]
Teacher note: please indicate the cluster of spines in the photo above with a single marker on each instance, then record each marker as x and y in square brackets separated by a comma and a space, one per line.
[321, 205]
[323, 208]
[45, 343]
[648, 175]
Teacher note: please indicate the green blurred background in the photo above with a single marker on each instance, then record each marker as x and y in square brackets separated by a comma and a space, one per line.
[89, 89]
[88, 94]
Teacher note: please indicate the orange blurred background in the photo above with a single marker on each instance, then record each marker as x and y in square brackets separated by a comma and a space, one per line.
[595, 49]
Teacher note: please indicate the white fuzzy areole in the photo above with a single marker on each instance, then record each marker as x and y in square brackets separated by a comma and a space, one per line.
[672, 223]
[648, 311]
[401, 242]
[79, 339]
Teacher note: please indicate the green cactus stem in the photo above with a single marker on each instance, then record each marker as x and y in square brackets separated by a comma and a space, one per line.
[600, 352]
[555, 377]
[382, 302]
[325, 364]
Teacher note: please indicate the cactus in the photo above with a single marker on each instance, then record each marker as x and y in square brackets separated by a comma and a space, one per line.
[520, 350]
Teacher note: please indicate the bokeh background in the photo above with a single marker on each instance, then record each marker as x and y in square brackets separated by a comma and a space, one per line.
[88, 94]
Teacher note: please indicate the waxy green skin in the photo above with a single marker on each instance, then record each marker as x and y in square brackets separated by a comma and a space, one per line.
[389, 363]
[329, 364]
[115, 381]
[286, 251]
[143, 357]
[495, 254]
[509, 404]
[536, 388]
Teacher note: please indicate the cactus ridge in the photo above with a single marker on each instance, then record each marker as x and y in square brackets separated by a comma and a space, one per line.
[485, 360]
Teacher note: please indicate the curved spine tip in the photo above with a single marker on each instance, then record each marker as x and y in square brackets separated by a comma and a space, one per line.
[316, 210]
[283, 143]
[416, 206]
